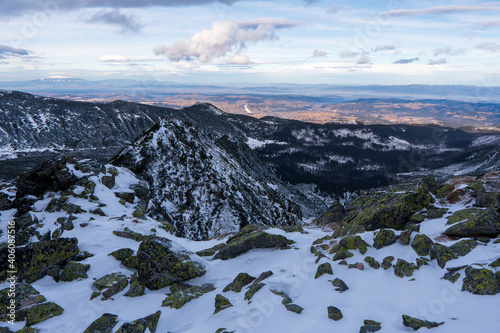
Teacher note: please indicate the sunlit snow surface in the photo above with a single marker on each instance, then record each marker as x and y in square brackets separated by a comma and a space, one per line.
[373, 294]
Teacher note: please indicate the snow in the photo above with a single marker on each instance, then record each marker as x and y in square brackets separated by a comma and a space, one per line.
[247, 110]
[255, 143]
[485, 140]
[373, 294]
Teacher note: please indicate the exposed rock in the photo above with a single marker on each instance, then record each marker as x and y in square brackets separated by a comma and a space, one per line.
[370, 326]
[181, 294]
[239, 282]
[293, 228]
[103, 324]
[334, 313]
[422, 244]
[245, 241]
[288, 302]
[221, 303]
[340, 285]
[417, 324]
[341, 254]
[357, 265]
[211, 251]
[25, 297]
[262, 277]
[74, 270]
[442, 254]
[387, 262]
[335, 213]
[255, 287]
[480, 281]
[351, 243]
[108, 181]
[436, 213]
[158, 266]
[5, 203]
[126, 256]
[383, 238]
[324, 268]
[98, 211]
[444, 190]
[464, 246]
[404, 268]
[484, 223]
[136, 288]
[128, 233]
[42, 312]
[391, 206]
[322, 239]
[126, 196]
[495, 263]
[108, 280]
[117, 287]
[141, 325]
[372, 262]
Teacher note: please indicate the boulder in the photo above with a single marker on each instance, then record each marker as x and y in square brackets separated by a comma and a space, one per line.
[483, 223]
[351, 242]
[159, 266]
[480, 281]
[370, 326]
[372, 262]
[387, 262]
[103, 324]
[239, 282]
[221, 303]
[252, 290]
[334, 313]
[108, 281]
[181, 294]
[73, 271]
[384, 238]
[211, 251]
[404, 268]
[141, 325]
[126, 257]
[464, 246]
[25, 297]
[117, 287]
[324, 268]
[417, 324]
[335, 213]
[442, 254]
[288, 302]
[422, 244]
[42, 312]
[339, 285]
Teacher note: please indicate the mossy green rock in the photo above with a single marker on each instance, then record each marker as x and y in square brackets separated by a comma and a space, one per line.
[480, 281]
[128, 233]
[324, 268]
[98, 211]
[404, 268]
[180, 296]
[248, 241]
[436, 213]
[322, 240]
[442, 254]
[463, 247]
[495, 263]
[36, 259]
[158, 266]
[126, 196]
[211, 251]
[136, 289]
[288, 302]
[390, 206]
[370, 326]
[108, 181]
[73, 271]
[351, 242]
[117, 287]
[239, 282]
[252, 290]
[56, 204]
[484, 223]
[444, 190]
[108, 280]
[422, 244]
[103, 324]
[126, 257]
[341, 254]
[141, 325]
[340, 285]
[387, 262]
[335, 213]
[42, 312]
[384, 238]
[372, 262]
[140, 212]
[293, 228]
[25, 294]
[221, 303]
[334, 313]
[417, 324]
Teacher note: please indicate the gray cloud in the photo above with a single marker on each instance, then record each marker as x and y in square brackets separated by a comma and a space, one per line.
[406, 61]
[452, 9]
[10, 52]
[489, 47]
[384, 48]
[19, 7]
[222, 39]
[448, 51]
[127, 23]
[332, 9]
[487, 25]
[319, 53]
[441, 61]
[363, 60]
[348, 54]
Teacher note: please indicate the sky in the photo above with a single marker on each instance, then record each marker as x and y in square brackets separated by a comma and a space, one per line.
[246, 41]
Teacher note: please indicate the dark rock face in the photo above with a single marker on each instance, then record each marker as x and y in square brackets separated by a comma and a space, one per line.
[141, 325]
[334, 313]
[335, 213]
[391, 206]
[384, 238]
[103, 324]
[158, 266]
[206, 184]
[485, 223]
[417, 324]
[422, 244]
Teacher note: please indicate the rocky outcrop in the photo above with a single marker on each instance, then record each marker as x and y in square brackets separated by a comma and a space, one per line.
[477, 223]
[417, 324]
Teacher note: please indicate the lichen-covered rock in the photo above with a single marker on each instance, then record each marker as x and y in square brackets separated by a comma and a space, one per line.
[405, 237]
[391, 206]
[292, 228]
[387, 262]
[370, 326]
[422, 244]
[126, 196]
[5, 203]
[248, 241]
[262, 277]
[404, 268]
[341, 254]
[444, 190]
[351, 242]
[384, 238]
[108, 181]
[126, 257]
[108, 280]
[464, 215]
[417, 324]
[117, 287]
[74, 270]
[98, 211]
[436, 213]
[483, 223]
[128, 233]
[36, 259]
[442, 254]
[25, 296]
[136, 288]
[211, 251]
[335, 213]
[255, 287]
[372, 262]
[322, 240]
[464, 246]
[339, 285]
[221, 303]
[141, 325]
[239, 282]
[480, 281]
[42, 312]
[140, 211]
[324, 268]
[158, 266]
[103, 324]
[288, 302]
[334, 313]
[495, 263]
[181, 294]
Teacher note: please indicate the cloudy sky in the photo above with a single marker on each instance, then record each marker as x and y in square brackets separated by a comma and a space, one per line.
[273, 41]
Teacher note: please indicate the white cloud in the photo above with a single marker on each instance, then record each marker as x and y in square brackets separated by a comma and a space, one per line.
[127, 23]
[448, 51]
[348, 54]
[489, 47]
[444, 10]
[319, 53]
[441, 61]
[238, 59]
[223, 38]
[364, 60]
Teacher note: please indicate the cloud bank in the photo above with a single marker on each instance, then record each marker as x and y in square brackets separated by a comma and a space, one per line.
[451, 9]
[406, 61]
[127, 23]
[10, 52]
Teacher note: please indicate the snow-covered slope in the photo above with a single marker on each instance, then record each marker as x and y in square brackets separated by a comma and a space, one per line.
[373, 293]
